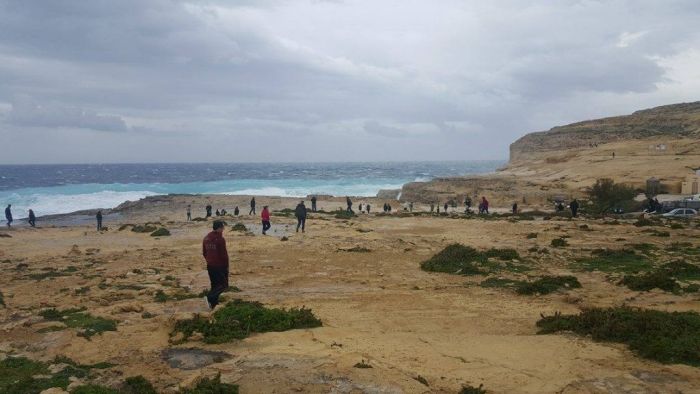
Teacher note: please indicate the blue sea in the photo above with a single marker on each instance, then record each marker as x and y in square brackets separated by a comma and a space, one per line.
[54, 189]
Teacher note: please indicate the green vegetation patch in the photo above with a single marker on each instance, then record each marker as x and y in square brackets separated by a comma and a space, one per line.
[668, 337]
[344, 214]
[240, 227]
[615, 260]
[559, 243]
[20, 375]
[465, 260]
[356, 249]
[664, 278]
[543, 285]
[548, 284]
[212, 386]
[238, 319]
[466, 389]
[657, 233]
[144, 228]
[77, 318]
[132, 385]
[161, 232]
[643, 247]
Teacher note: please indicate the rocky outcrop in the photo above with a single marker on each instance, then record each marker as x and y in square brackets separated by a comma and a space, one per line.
[675, 121]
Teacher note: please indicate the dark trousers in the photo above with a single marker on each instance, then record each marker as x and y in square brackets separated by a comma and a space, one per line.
[219, 283]
[32, 222]
[99, 224]
[266, 225]
[574, 211]
[189, 216]
[313, 206]
[252, 210]
[301, 222]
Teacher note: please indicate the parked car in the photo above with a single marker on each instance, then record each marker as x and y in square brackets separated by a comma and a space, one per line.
[681, 213]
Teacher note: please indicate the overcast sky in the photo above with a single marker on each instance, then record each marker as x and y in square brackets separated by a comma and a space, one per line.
[310, 80]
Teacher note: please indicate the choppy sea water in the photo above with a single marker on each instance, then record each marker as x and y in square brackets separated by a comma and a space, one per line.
[54, 189]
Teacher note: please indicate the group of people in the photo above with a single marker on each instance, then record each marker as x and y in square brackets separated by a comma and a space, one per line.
[31, 219]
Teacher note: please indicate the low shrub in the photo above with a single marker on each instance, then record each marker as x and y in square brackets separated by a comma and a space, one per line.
[144, 228]
[238, 319]
[356, 249]
[465, 260]
[467, 389]
[667, 337]
[343, 214]
[212, 386]
[239, 227]
[548, 284]
[615, 260]
[77, 318]
[559, 243]
[677, 226]
[161, 232]
[531, 235]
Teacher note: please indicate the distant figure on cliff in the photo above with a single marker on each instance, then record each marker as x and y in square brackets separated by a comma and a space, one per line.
[223, 212]
[99, 220]
[410, 206]
[252, 206]
[8, 215]
[613, 155]
[484, 208]
[368, 208]
[189, 213]
[236, 211]
[216, 256]
[560, 206]
[574, 207]
[313, 203]
[32, 218]
[445, 206]
[217, 213]
[384, 208]
[360, 207]
[348, 201]
[467, 204]
[388, 207]
[438, 208]
[265, 216]
[208, 209]
[515, 208]
[432, 207]
[300, 213]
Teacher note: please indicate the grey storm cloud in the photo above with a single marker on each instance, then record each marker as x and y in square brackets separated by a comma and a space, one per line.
[447, 80]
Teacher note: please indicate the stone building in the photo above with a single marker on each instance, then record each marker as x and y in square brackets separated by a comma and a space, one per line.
[691, 185]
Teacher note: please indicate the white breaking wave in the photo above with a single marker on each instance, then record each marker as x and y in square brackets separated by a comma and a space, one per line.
[50, 204]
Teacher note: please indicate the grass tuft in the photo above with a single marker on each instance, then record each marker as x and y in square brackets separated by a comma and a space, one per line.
[615, 260]
[548, 284]
[212, 386]
[161, 232]
[77, 318]
[667, 337]
[559, 243]
[466, 389]
[465, 260]
[238, 319]
[240, 227]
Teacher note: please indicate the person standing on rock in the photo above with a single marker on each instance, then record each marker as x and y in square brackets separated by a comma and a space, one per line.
[8, 215]
[349, 203]
[236, 211]
[32, 218]
[573, 205]
[208, 209]
[445, 206]
[252, 206]
[313, 203]
[189, 213]
[467, 204]
[368, 207]
[265, 216]
[216, 256]
[99, 220]
[300, 213]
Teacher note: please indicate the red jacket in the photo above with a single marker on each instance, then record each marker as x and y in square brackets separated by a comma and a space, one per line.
[265, 215]
[214, 250]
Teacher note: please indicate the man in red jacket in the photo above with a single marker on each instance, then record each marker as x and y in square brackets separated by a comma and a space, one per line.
[214, 251]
